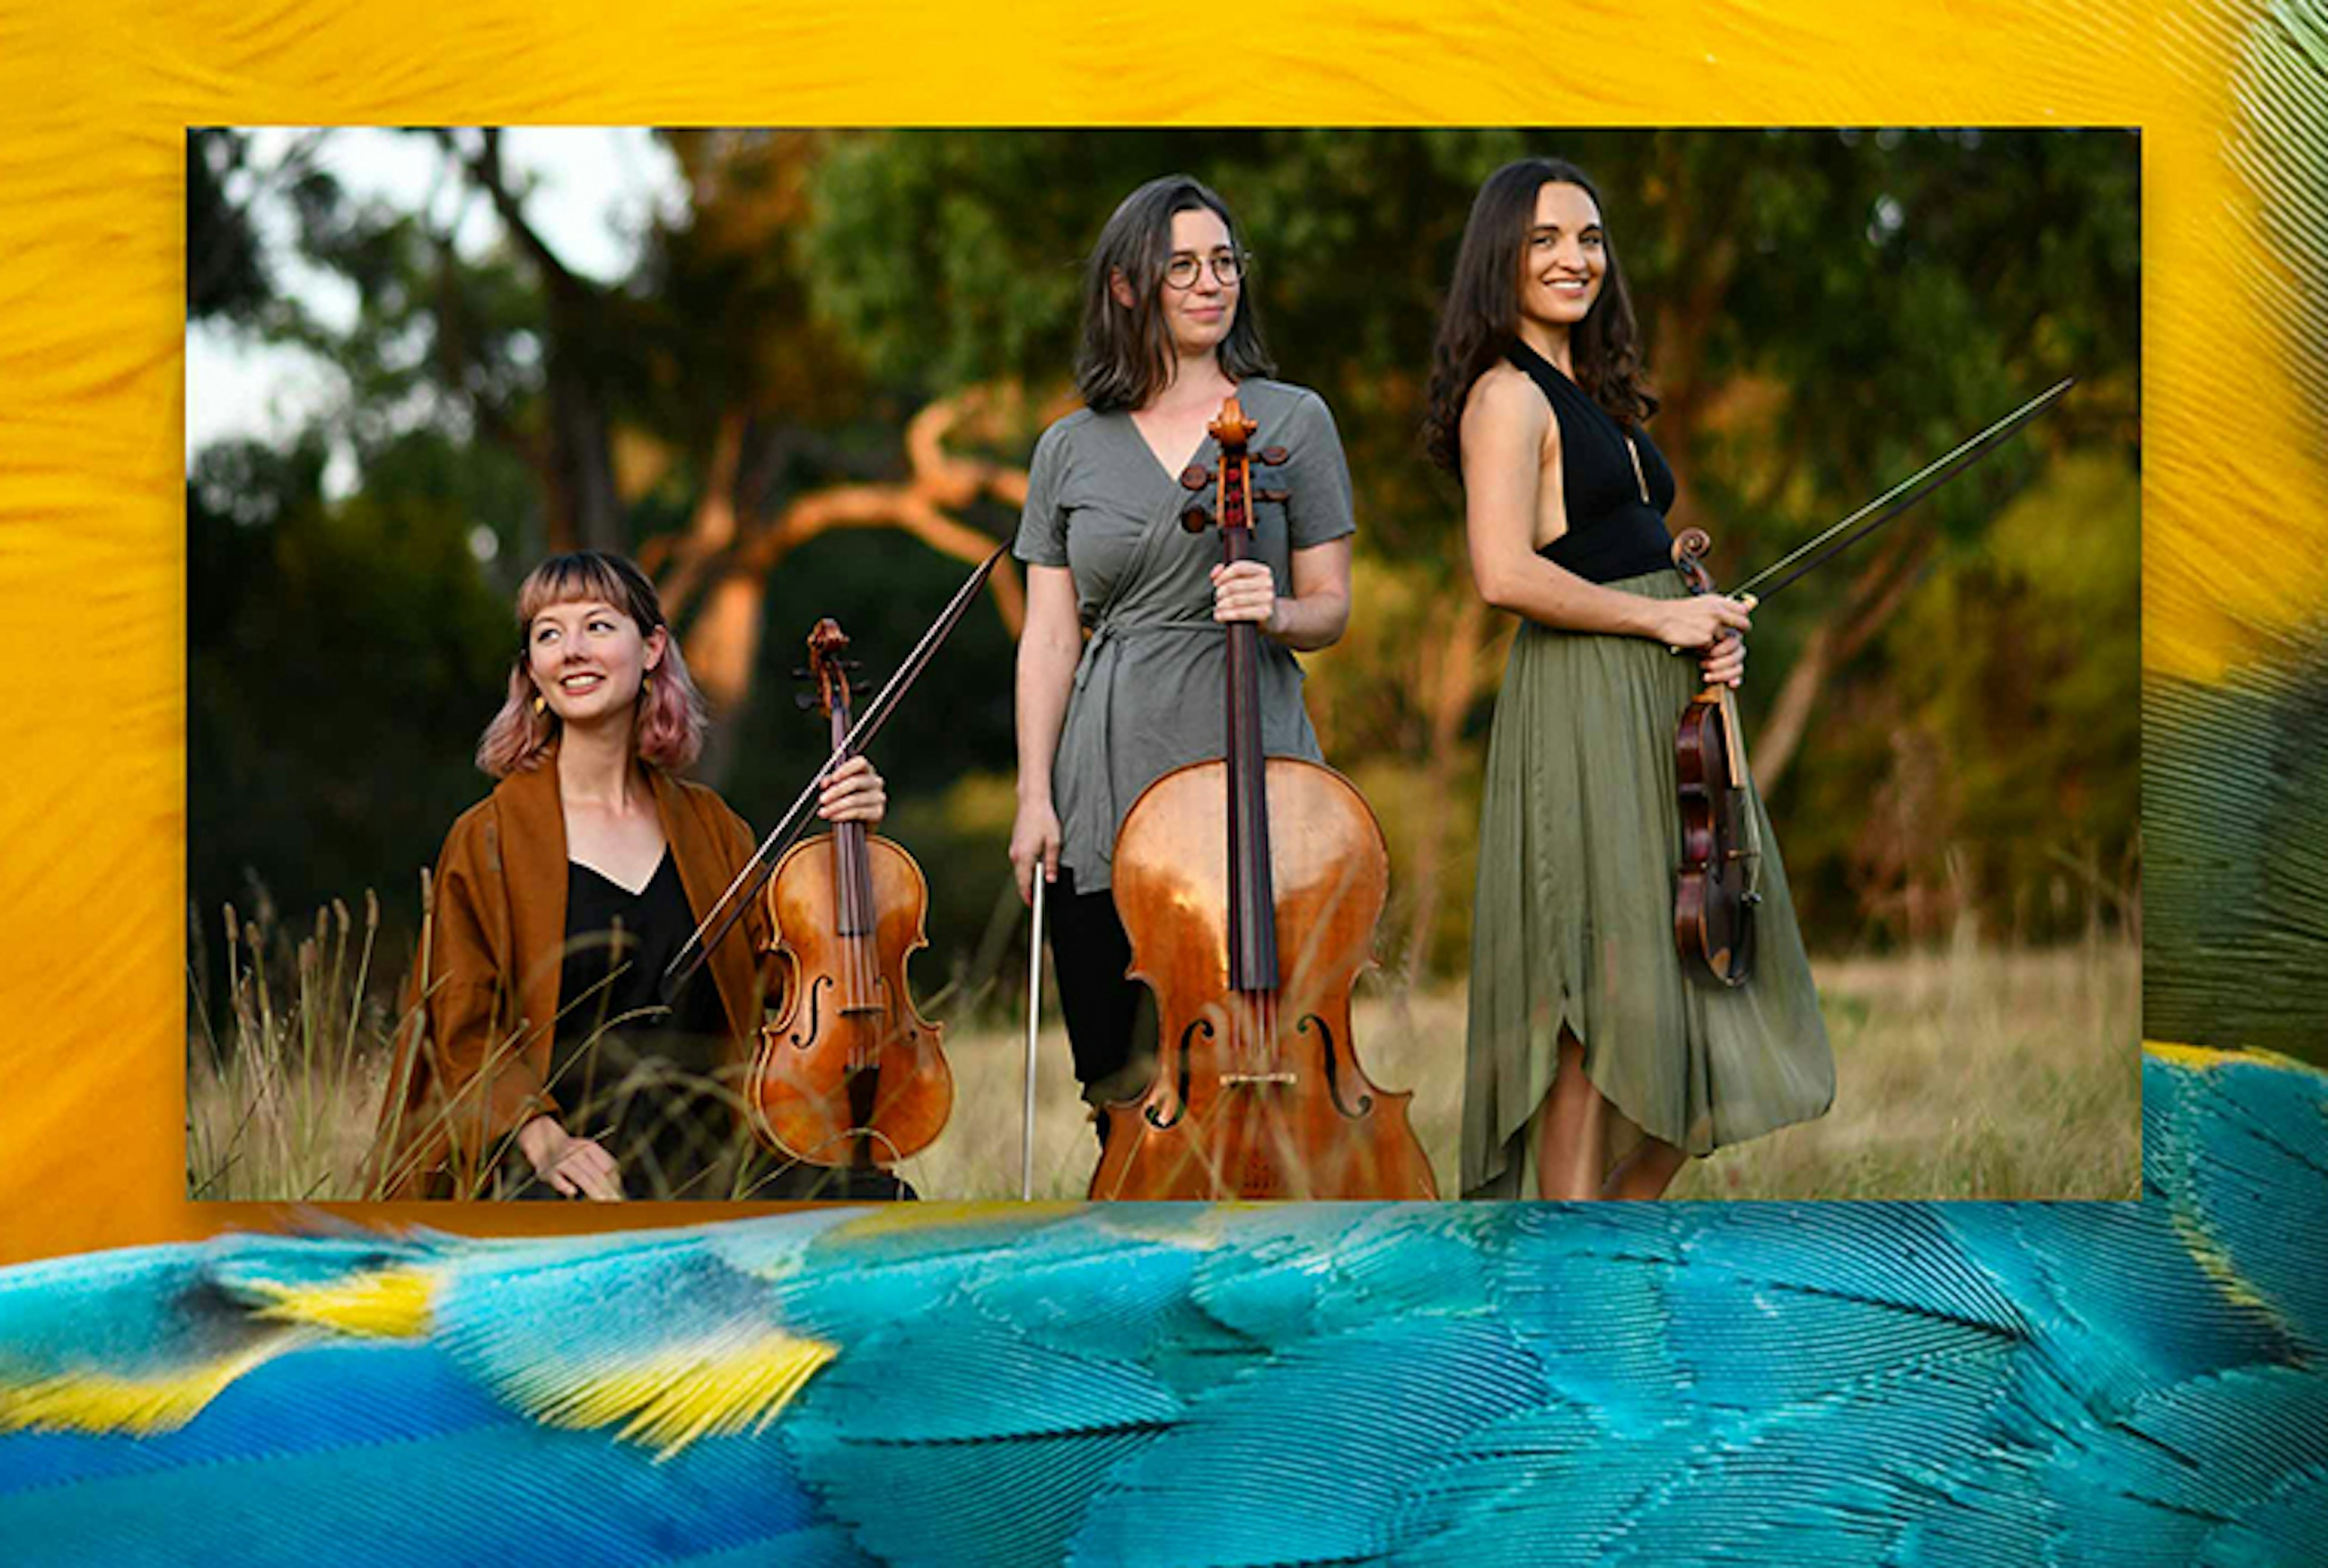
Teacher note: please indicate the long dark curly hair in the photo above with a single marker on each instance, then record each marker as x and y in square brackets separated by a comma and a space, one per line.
[1481, 318]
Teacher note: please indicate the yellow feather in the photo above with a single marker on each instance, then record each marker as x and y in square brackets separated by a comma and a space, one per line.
[2205, 1059]
[99, 1403]
[667, 1402]
[385, 1303]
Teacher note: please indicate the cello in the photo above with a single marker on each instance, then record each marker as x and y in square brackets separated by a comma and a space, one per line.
[1249, 889]
[847, 1073]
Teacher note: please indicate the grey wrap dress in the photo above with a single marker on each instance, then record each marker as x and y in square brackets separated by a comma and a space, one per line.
[1148, 692]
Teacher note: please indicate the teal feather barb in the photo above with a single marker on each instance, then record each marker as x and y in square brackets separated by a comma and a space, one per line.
[1977, 1384]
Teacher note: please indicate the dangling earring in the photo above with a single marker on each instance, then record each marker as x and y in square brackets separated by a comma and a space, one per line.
[540, 705]
[646, 687]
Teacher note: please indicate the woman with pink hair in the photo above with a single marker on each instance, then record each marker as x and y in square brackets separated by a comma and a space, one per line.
[538, 1057]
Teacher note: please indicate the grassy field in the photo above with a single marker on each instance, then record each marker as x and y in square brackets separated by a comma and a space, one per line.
[1963, 1073]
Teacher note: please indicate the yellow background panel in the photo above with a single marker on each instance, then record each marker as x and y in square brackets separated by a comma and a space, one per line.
[94, 99]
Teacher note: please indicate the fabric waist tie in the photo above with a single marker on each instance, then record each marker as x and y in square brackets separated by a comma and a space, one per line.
[1100, 649]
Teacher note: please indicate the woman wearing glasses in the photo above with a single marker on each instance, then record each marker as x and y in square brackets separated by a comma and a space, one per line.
[1595, 1067]
[1168, 332]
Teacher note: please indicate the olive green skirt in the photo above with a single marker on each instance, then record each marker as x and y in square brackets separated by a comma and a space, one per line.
[1571, 930]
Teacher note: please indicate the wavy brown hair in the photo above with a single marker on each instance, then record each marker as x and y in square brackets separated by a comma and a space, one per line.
[1127, 355]
[1481, 318]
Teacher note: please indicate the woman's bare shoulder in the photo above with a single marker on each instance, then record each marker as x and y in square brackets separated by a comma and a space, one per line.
[1504, 405]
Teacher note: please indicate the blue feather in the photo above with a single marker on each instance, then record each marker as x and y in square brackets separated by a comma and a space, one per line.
[1916, 1384]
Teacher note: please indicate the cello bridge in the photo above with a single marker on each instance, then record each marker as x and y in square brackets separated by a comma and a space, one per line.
[1239, 1079]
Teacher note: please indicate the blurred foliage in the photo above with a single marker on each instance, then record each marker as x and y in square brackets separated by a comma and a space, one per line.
[1825, 311]
[225, 278]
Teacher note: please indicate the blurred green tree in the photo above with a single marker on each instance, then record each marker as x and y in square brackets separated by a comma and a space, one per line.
[837, 337]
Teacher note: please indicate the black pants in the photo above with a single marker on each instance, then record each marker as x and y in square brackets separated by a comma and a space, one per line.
[1108, 1015]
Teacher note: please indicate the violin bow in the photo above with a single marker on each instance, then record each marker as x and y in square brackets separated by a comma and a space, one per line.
[1896, 499]
[731, 903]
[1033, 1014]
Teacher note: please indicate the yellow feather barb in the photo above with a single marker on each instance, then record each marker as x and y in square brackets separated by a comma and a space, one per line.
[2207, 1059]
[383, 1304]
[686, 1393]
[103, 1402]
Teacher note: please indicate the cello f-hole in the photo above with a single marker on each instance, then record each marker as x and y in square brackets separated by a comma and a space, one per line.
[1333, 1070]
[1180, 1098]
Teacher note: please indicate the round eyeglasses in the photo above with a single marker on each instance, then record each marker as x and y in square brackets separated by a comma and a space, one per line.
[1228, 266]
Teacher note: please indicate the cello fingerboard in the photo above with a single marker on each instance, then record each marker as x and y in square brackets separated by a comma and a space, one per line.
[1252, 900]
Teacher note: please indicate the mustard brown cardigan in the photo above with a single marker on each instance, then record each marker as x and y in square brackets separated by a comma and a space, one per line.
[473, 1054]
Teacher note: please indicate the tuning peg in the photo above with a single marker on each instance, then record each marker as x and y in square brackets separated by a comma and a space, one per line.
[1196, 518]
[1280, 496]
[1195, 476]
[804, 700]
[1271, 456]
[800, 672]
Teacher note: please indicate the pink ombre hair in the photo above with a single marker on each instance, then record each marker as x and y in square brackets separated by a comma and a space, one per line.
[667, 728]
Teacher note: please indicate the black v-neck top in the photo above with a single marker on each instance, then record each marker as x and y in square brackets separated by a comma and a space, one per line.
[1614, 531]
[634, 936]
[640, 1078]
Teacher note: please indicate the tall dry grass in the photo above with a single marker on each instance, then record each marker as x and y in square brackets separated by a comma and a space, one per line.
[1970, 1072]
[281, 1103]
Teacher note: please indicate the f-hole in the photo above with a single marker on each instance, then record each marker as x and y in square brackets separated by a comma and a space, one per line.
[1161, 1122]
[1333, 1075]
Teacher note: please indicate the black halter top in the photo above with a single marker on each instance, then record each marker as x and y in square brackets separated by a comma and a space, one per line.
[1615, 529]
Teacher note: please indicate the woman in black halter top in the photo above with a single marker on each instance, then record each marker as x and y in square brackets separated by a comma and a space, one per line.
[1592, 1062]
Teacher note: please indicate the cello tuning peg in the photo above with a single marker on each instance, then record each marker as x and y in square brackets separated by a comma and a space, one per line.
[1277, 495]
[1195, 476]
[1196, 518]
[1271, 456]
[800, 673]
[804, 700]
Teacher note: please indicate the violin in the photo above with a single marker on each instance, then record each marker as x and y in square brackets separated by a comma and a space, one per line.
[1714, 891]
[1249, 888]
[847, 1073]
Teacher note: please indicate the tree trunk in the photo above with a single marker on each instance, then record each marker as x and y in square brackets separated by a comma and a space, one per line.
[584, 510]
[723, 645]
